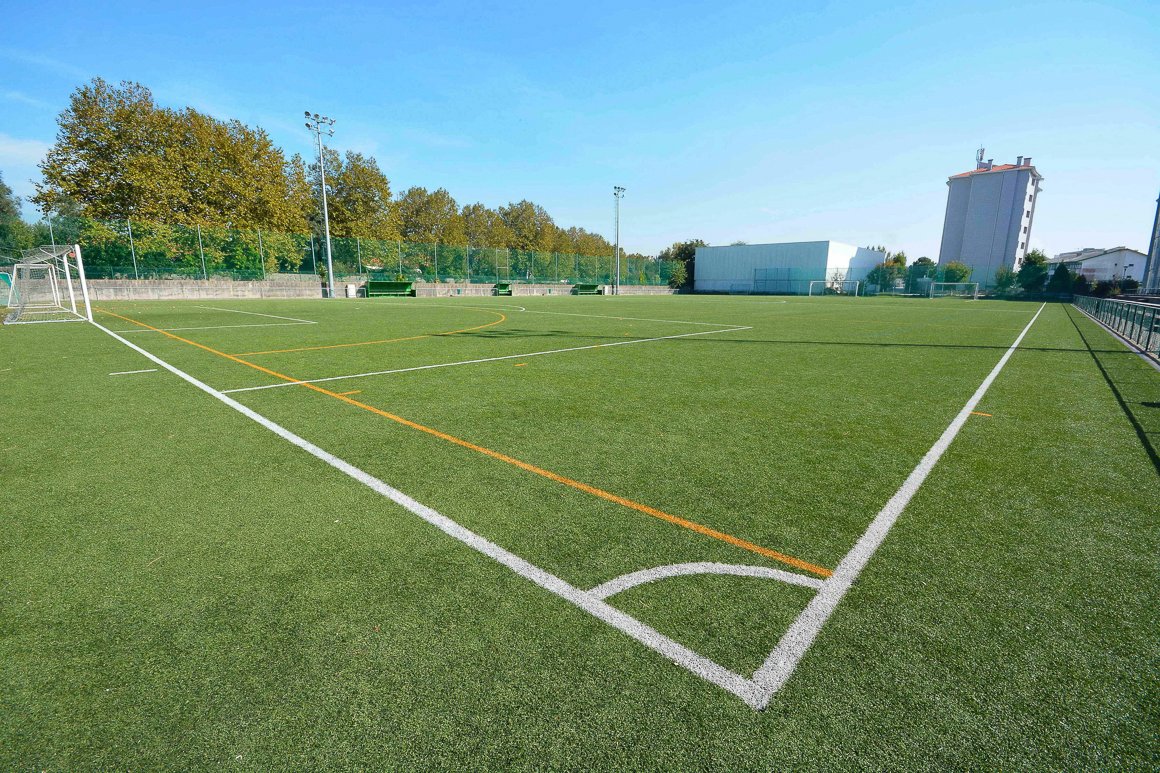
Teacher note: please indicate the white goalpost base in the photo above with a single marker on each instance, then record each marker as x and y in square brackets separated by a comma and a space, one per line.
[834, 287]
[954, 290]
[49, 285]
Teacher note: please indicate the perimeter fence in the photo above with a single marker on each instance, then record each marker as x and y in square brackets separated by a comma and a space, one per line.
[1135, 321]
[142, 250]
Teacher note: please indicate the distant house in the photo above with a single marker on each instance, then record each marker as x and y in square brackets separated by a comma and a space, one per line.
[1102, 265]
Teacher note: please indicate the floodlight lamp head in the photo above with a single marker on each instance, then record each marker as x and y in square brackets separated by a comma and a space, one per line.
[307, 113]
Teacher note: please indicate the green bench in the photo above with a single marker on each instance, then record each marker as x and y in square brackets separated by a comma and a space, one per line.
[503, 288]
[376, 289]
[586, 290]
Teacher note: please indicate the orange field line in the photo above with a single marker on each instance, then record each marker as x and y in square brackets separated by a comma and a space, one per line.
[684, 523]
[501, 319]
[979, 413]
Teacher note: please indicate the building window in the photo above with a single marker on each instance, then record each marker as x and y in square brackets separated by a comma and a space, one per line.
[1024, 229]
[1022, 244]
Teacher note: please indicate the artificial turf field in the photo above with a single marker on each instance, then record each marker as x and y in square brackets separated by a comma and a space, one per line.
[185, 588]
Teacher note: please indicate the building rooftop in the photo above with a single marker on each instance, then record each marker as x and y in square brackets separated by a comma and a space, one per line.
[1087, 253]
[997, 168]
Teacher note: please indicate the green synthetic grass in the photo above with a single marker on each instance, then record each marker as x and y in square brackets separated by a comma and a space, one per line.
[183, 589]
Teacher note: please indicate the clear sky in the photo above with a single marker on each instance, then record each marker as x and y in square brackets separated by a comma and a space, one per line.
[756, 121]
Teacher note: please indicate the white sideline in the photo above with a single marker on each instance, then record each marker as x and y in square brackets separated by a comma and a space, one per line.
[801, 634]
[131, 372]
[633, 579]
[212, 327]
[698, 664]
[476, 362]
[258, 314]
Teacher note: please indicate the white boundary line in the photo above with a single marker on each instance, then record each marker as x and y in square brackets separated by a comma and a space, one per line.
[257, 314]
[698, 664]
[778, 667]
[633, 579]
[213, 327]
[563, 313]
[476, 362]
[131, 372]
[801, 634]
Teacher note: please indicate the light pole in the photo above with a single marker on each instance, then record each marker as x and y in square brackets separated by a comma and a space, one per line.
[618, 194]
[315, 123]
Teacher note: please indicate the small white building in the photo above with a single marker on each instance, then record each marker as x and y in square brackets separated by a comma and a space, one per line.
[1100, 265]
[787, 267]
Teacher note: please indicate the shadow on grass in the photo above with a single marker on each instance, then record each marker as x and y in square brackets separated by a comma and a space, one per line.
[1122, 387]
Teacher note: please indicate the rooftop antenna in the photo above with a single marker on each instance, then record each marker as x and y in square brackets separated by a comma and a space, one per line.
[979, 157]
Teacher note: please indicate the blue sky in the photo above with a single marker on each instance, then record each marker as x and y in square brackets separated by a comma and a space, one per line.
[758, 121]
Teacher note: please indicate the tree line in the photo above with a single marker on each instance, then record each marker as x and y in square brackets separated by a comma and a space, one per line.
[118, 156]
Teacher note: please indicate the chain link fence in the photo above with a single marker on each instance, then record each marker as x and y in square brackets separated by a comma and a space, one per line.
[140, 250]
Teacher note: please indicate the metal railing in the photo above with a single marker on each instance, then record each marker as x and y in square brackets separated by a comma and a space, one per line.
[1135, 321]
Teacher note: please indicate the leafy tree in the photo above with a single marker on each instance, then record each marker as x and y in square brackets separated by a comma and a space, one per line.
[530, 226]
[429, 216]
[1033, 271]
[1005, 280]
[9, 202]
[956, 271]
[358, 196]
[678, 277]
[1080, 285]
[684, 253]
[119, 156]
[483, 227]
[922, 268]
[1061, 280]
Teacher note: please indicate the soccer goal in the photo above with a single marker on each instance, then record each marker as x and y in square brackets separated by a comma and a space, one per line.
[5, 288]
[48, 285]
[954, 290]
[834, 287]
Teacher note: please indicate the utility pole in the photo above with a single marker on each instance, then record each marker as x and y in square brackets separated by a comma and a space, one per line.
[618, 194]
[315, 123]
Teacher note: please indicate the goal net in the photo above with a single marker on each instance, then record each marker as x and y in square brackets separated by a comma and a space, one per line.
[48, 285]
[834, 287]
[954, 290]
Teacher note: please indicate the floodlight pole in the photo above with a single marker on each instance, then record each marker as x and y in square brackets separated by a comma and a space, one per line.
[315, 122]
[618, 194]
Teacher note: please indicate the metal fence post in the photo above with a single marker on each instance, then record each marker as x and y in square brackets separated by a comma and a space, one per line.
[358, 246]
[261, 254]
[132, 248]
[204, 273]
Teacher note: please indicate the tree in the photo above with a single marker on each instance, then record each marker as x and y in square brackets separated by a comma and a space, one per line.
[429, 216]
[686, 254]
[956, 271]
[483, 227]
[119, 156]
[359, 197]
[530, 225]
[922, 268]
[1061, 281]
[1033, 271]
[1005, 280]
[9, 202]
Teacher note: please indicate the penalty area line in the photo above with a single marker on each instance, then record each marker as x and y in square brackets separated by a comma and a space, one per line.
[780, 664]
[698, 664]
[476, 362]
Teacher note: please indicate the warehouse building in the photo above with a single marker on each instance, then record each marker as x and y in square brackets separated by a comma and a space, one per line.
[783, 268]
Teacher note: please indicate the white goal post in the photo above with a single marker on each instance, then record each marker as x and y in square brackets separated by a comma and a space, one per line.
[49, 285]
[954, 290]
[834, 287]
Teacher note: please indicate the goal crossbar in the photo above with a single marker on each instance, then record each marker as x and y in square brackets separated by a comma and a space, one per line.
[49, 285]
[834, 287]
[954, 290]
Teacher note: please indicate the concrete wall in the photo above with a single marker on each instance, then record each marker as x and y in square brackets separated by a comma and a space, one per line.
[281, 286]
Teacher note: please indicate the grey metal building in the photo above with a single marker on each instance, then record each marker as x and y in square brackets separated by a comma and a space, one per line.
[989, 215]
